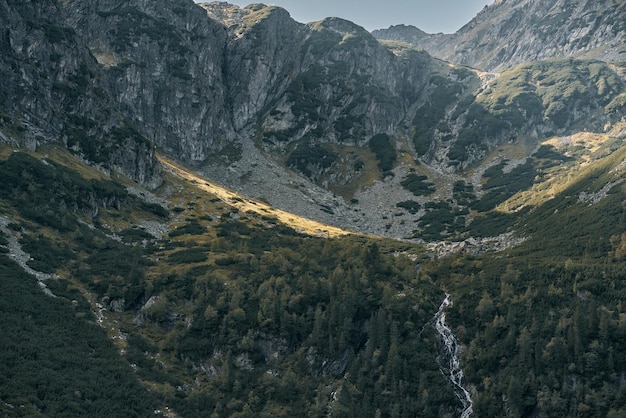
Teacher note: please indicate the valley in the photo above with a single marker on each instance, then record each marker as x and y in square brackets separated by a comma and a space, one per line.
[208, 210]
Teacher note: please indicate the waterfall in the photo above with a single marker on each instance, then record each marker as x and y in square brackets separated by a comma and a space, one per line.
[449, 360]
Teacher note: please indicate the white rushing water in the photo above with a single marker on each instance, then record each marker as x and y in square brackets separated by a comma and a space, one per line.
[450, 363]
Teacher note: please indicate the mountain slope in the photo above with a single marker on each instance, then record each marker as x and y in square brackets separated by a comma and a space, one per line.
[56, 360]
[511, 32]
[447, 123]
[53, 91]
[214, 309]
[218, 309]
[320, 119]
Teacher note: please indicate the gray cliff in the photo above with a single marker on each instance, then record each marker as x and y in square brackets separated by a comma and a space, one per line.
[53, 92]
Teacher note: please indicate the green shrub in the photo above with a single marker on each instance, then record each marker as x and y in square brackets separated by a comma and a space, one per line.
[135, 235]
[47, 256]
[412, 206]
[187, 256]
[418, 185]
[155, 209]
[307, 156]
[191, 228]
[383, 147]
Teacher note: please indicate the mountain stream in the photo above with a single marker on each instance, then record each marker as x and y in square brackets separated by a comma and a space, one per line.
[449, 359]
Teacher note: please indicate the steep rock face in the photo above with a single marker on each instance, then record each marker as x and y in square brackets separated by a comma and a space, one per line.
[165, 62]
[261, 58]
[319, 119]
[511, 32]
[53, 92]
[348, 89]
[298, 80]
[197, 86]
[200, 89]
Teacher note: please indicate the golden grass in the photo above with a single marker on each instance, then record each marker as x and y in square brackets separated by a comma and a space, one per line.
[5, 151]
[590, 140]
[244, 204]
[567, 174]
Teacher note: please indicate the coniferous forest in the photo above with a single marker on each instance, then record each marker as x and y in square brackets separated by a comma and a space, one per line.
[236, 314]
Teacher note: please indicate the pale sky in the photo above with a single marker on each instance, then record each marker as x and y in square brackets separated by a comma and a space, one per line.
[431, 16]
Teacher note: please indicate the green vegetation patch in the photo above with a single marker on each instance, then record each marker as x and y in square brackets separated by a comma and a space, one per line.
[46, 193]
[548, 316]
[463, 193]
[308, 157]
[500, 185]
[385, 150]
[46, 255]
[56, 361]
[418, 184]
[441, 220]
[555, 93]
[410, 205]
[190, 228]
[492, 224]
[188, 256]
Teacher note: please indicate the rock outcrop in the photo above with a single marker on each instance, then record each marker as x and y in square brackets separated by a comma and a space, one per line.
[164, 62]
[53, 91]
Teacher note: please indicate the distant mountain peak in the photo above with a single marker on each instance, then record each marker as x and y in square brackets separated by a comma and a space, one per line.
[404, 33]
[338, 25]
[233, 15]
[228, 14]
[511, 32]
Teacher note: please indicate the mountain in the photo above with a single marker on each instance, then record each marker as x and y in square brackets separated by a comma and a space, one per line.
[474, 261]
[332, 83]
[512, 32]
[319, 119]
[223, 75]
[403, 33]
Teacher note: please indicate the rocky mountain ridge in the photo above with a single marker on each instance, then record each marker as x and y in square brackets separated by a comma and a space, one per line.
[372, 212]
[512, 32]
[320, 119]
